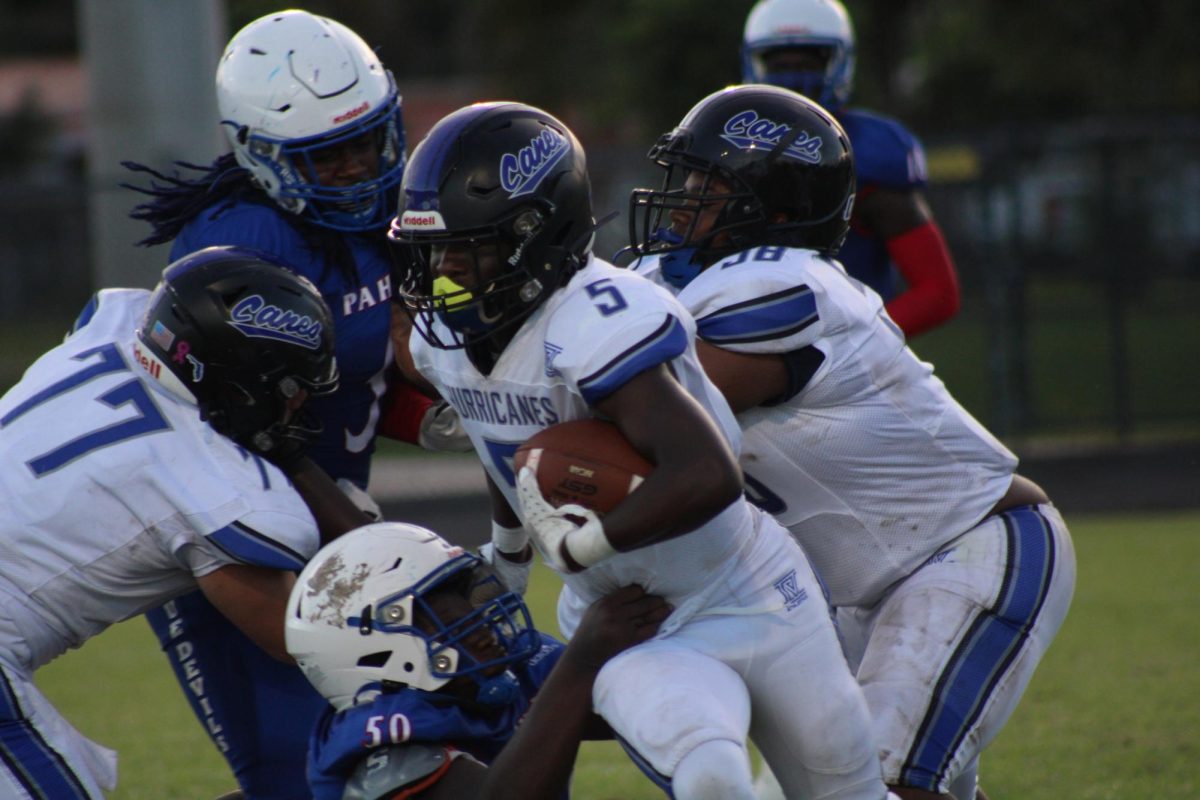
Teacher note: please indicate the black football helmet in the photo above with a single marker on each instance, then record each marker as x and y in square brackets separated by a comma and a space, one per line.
[239, 335]
[789, 169]
[502, 178]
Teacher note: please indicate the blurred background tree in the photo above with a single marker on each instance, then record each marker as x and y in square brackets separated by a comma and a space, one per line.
[643, 62]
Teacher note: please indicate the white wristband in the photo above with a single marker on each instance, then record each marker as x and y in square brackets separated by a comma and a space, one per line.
[509, 540]
[588, 545]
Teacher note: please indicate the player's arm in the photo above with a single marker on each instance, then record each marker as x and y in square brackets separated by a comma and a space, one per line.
[538, 760]
[696, 475]
[746, 379]
[334, 512]
[401, 333]
[412, 410]
[905, 223]
[255, 600]
[508, 550]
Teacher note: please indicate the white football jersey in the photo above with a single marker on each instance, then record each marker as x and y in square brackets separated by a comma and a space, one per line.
[116, 495]
[586, 340]
[873, 466]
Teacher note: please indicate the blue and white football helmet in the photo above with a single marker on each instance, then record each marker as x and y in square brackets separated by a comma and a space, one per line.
[360, 622]
[290, 85]
[819, 25]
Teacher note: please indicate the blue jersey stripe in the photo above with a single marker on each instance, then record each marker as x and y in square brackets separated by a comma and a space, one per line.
[258, 462]
[86, 315]
[669, 341]
[657, 778]
[251, 547]
[986, 652]
[28, 757]
[773, 316]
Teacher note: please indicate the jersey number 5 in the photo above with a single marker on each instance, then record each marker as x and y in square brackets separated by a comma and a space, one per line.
[607, 298]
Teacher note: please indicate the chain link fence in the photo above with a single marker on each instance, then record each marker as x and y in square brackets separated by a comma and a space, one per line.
[1079, 252]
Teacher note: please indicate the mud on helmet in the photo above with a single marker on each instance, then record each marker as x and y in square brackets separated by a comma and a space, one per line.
[359, 621]
[788, 166]
[502, 174]
[238, 335]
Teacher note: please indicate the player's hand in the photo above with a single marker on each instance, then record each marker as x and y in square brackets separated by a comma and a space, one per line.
[513, 574]
[548, 526]
[362, 501]
[616, 622]
[441, 429]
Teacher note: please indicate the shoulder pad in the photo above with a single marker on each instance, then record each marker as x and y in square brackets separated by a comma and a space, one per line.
[390, 768]
[85, 316]
[250, 224]
[886, 153]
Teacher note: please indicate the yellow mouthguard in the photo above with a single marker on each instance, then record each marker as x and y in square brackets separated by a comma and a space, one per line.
[454, 295]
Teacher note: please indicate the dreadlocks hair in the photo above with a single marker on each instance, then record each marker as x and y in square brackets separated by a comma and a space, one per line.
[176, 200]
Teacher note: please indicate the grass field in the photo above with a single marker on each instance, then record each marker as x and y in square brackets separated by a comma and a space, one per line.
[1111, 715]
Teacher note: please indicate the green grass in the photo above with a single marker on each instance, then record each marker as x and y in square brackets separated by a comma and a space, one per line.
[1110, 715]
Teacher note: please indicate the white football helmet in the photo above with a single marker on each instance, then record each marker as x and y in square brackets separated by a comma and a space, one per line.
[792, 24]
[292, 83]
[352, 627]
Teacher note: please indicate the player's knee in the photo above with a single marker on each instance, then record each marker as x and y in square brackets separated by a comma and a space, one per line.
[718, 769]
[842, 748]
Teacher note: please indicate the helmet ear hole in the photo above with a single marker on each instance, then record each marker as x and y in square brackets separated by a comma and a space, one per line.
[375, 660]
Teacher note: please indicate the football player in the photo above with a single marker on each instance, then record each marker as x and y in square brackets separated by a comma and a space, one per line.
[153, 452]
[520, 327]
[429, 664]
[951, 573]
[314, 122]
[895, 245]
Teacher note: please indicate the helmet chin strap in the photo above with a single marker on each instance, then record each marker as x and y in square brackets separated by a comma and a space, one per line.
[681, 266]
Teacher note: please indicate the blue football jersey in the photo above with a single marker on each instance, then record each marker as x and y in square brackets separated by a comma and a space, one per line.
[886, 156]
[361, 318]
[343, 739]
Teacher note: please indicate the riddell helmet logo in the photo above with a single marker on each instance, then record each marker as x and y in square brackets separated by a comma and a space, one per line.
[748, 130]
[422, 221]
[357, 111]
[147, 361]
[523, 171]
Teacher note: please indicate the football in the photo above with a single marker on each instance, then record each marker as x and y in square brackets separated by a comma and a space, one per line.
[587, 462]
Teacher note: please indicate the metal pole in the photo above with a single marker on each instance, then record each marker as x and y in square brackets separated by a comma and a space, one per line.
[150, 67]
